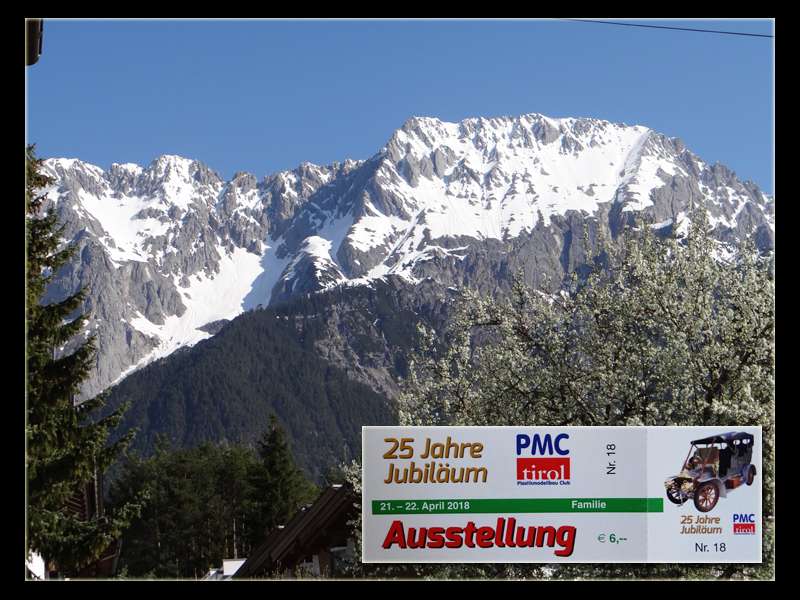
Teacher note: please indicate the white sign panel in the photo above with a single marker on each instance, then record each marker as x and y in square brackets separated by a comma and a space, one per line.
[562, 494]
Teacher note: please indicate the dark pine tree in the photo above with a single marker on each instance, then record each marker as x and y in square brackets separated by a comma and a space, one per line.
[66, 444]
[281, 486]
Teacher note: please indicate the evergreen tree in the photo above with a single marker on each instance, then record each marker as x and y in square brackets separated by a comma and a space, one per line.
[281, 485]
[66, 444]
[206, 504]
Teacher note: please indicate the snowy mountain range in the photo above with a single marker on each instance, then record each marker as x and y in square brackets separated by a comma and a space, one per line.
[171, 250]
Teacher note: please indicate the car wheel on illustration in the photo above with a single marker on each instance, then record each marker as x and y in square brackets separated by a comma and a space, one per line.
[675, 494]
[706, 496]
[750, 474]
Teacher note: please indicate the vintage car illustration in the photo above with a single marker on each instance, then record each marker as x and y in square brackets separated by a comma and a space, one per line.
[714, 465]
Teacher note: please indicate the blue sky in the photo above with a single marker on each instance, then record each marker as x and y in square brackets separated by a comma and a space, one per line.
[262, 96]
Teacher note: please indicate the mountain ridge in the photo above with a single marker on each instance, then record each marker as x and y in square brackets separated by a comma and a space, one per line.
[169, 248]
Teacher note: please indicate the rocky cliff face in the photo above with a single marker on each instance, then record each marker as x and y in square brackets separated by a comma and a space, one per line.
[170, 251]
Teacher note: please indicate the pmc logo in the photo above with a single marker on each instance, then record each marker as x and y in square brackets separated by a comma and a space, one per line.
[744, 524]
[542, 459]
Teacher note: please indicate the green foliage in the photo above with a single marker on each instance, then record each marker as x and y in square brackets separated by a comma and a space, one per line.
[282, 486]
[206, 503]
[65, 444]
[676, 331]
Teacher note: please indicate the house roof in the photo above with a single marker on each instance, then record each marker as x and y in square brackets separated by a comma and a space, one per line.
[309, 526]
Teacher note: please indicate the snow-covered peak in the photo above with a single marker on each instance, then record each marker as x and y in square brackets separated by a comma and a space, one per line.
[131, 168]
[308, 165]
[498, 136]
[172, 167]
[179, 181]
[73, 166]
[554, 164]
[64, 163]
[350, 163]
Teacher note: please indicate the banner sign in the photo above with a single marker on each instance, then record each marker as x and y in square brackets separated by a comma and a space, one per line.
[561, 494]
